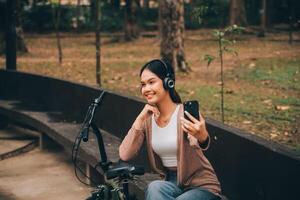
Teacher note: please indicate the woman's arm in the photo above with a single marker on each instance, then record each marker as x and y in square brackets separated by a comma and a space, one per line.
[196, 130]
[131, 144]
[135, 136]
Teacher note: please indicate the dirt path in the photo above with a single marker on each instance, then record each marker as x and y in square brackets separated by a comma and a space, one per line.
[38, 174]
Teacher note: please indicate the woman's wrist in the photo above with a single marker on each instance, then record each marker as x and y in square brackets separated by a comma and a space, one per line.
[202, 136]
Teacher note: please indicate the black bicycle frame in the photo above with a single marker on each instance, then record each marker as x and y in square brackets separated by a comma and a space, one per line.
[89, 122]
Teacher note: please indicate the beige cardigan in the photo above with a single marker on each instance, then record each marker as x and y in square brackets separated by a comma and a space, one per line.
[193, 167]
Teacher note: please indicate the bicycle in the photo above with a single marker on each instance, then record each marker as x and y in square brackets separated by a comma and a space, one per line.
[116, 174]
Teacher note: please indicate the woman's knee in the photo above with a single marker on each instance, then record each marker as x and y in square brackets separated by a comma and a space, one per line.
[197, 194]
[161, 190]
[156, 186]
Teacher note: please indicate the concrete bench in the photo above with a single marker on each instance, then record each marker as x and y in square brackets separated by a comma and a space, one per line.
[57, 126]
[248, 167]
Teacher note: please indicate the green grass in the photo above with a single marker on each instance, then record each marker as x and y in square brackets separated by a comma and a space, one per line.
[261, 90]
[250, 103]
[282, 90]
[281, 73]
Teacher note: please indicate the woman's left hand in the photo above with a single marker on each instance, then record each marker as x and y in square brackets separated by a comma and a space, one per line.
[194, 127]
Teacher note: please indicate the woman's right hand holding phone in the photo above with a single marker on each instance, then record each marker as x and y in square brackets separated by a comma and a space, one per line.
[144, 114]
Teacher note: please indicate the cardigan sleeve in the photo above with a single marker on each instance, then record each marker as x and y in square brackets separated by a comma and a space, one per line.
[131, 144]
[204, 145]
[194, 142]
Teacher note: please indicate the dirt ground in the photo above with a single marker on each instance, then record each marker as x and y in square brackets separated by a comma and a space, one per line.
[38, 174]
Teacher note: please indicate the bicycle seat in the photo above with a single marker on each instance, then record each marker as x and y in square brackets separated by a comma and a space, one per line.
[124, 170]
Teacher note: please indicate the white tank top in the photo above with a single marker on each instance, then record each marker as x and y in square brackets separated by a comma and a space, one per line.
[164, 140]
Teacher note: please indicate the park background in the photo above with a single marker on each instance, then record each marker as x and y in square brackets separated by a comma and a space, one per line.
[261, 67]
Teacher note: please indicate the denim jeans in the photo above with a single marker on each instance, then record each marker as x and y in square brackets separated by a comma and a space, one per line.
[168, 190]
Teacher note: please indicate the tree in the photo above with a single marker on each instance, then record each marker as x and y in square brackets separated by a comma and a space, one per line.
[172, 33]
[2, 26]
[14, 36]
[115, 4]
[237, 14]
[97, 35]
[10, 35]
[20, 41]
[223, 36]
[131, 26]
[223, 47]
[146, 3]
[263, 19]
[21, 45]
[56, 21]
[78, 14]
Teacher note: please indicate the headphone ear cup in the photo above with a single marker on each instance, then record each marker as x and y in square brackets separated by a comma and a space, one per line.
[169, 83]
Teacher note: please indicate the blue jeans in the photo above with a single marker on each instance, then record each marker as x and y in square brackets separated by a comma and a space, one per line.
[168, 190]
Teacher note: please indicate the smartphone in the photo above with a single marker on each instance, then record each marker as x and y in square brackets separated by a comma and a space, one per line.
[193, 108]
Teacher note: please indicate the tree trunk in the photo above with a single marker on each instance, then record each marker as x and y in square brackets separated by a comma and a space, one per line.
[172, 33]
[10, 35]
[263, 18]
[18, 30]
[292, 19]
[56, 20]
[34, 3]
[92, 9]
[3, 18]
[78, 14]
[146, 4]
[21, 45]
[97, 34]
[115, 4]
[2, 42]
[131, 26]
[237, 13]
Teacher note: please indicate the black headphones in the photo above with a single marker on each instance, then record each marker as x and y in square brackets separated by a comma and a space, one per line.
[168, 82]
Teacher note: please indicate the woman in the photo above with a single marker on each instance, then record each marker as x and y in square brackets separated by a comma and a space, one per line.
[174, 143]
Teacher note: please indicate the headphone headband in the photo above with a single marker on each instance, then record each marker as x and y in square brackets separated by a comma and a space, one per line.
[166, 67]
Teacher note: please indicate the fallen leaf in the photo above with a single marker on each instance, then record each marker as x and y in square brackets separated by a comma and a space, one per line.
[191, 92]
[251, 65]
[273, 135]
[268, 101]
[282, 108]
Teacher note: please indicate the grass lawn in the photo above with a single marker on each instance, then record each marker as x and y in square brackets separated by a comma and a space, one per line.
[262, 85]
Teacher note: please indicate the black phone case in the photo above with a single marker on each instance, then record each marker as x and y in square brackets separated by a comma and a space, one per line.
[193, 108]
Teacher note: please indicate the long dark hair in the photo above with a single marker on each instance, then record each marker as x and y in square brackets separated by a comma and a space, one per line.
[157, 67]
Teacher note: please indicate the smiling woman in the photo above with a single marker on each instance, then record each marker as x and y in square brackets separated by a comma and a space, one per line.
[175, 145]
[161, 71]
